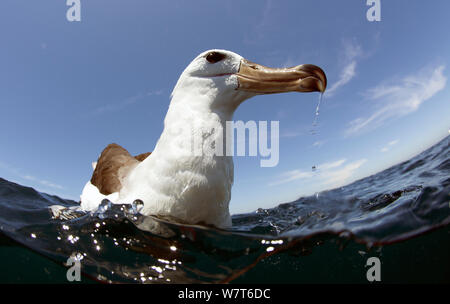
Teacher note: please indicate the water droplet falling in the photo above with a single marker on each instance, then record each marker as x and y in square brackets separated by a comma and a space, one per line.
[316, 116]
[314, 124]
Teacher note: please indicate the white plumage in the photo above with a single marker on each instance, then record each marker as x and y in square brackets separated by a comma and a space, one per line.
[173, 181]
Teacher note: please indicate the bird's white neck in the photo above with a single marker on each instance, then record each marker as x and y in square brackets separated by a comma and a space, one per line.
[185, 177]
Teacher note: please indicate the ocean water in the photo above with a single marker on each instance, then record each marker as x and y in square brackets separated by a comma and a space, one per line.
[400, 215]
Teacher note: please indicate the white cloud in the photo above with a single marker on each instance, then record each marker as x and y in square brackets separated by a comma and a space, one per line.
[389, 145]
[347, 74]
[29, 177]
[327, 175]
[341, 175]
[50, 184]
[400, 97]
[352, 53]
[259, 29]
[318, 143]
[124, 103]
[290, 176]
[41, 181]
[332, 165]
[291, 133]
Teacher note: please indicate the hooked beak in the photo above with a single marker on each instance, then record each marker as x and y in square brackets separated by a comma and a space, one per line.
[259, 79]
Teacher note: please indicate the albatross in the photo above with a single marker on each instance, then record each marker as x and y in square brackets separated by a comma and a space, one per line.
[172, 182]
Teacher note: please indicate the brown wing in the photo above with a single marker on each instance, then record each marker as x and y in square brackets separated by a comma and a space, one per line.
[142, 156]
[112, 166]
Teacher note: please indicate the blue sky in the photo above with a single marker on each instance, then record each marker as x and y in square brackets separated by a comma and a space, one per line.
[67, 89]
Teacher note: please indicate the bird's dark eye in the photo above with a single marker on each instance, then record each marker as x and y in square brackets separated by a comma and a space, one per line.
[214, 57]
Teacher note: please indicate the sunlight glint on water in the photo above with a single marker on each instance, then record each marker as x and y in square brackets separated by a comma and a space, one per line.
[392, 206]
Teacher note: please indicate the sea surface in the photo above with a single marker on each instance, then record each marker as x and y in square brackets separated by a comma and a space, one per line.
[400, 215]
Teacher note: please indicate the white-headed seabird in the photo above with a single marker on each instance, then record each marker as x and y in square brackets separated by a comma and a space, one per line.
[170, 181]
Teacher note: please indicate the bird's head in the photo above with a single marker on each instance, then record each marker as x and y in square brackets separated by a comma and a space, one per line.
[221, 79]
